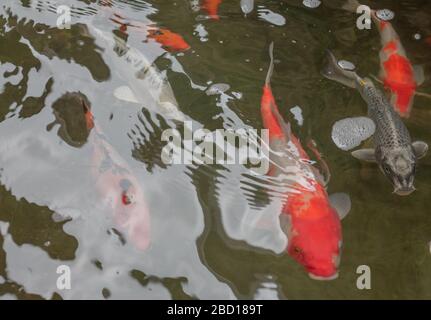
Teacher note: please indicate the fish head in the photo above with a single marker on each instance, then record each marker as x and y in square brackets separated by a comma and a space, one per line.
[399, 166]
[131, 213]
[315, 239]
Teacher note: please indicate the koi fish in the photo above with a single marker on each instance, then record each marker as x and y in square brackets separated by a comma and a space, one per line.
[145, 83]
[394, 151]
[118, 186]
[310, 220]
[168, 39]
[211, 7]
[397, 73]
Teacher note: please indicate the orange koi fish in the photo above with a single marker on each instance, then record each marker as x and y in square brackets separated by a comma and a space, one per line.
[169, 40]
[312, 222]
[119, 187]
[397, 73]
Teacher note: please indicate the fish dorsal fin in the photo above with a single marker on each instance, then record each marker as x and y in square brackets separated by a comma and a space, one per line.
[341, 203]
[285, 127]
[325, 175]
[419, 74]
[126, 94]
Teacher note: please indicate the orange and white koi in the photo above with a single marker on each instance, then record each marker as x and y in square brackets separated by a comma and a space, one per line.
[397, 73]
[120, 189]
[313, 223]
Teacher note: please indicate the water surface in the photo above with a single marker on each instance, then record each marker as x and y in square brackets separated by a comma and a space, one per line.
[205, 243]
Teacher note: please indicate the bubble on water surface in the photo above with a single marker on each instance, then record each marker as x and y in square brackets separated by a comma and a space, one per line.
[385, 14]
[351, 132]
[312, 3]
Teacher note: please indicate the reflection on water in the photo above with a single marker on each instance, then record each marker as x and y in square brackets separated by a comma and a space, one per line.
[215, 231]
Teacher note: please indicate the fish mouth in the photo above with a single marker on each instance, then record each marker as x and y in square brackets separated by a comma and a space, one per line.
[404, 191]
[323, 278]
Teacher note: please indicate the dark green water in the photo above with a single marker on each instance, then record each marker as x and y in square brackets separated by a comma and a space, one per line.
[202, 238]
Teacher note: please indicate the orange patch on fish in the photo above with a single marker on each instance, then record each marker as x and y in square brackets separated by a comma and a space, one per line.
[168, 39]
[270, 121]
[308, 203]
[400, 80]
[383, 24]
[391, 47]
[211, 7]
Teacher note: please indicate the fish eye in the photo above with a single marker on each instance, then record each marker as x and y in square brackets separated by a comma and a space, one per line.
[297, 250]
[126, 199]
[387, 169]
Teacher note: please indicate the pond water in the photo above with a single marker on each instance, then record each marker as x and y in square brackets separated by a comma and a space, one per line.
[207, 239]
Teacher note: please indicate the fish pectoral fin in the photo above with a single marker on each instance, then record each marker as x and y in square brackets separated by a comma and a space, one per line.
[420, 148]
[325, 174]
[285, 223]
[377, 78]
[367, 155]
[423, 94]
[419, 74]
[126, 94]
[341, 203]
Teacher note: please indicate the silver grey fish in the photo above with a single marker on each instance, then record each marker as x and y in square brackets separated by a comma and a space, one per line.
[394, 152]
[145, 83]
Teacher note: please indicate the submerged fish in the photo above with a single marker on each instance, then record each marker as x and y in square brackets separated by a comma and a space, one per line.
[211, 7]
[394, 152]
[118, 186]
[168, 39]
[310, 220]
[398, 74]
[146, 85]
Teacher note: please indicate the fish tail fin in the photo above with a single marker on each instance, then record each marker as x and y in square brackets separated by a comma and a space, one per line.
[271, 64]
[89, 118]
[333, 71]
[351, 5]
